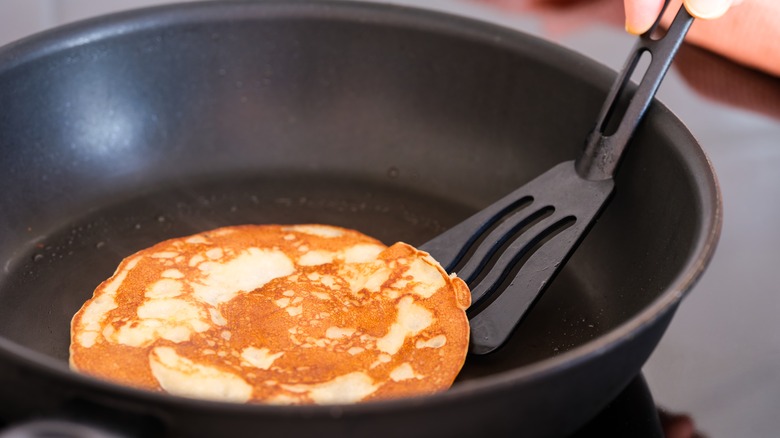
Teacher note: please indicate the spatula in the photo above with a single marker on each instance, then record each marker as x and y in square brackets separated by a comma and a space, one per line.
[509, 252]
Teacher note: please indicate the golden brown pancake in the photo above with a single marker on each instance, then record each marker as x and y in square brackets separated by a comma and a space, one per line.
[276, 314]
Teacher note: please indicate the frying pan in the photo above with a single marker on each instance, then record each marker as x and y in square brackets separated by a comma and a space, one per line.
[122, 131]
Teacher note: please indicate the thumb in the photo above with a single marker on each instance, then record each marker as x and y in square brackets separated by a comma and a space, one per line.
[641, 14]
[708, 9]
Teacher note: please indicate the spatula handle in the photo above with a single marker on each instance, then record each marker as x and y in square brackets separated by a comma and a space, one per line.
[604, 148]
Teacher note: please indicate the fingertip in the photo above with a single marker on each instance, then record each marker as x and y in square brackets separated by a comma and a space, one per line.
[641, 14]
[635, 28]
[707, 9]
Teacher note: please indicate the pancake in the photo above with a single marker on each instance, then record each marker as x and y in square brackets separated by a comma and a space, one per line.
[303, 314]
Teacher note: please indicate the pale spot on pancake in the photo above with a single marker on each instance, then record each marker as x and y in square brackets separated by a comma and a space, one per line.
[175, 334]
[181, 376]
[282, 302]
[165, 255]
[259, 357]
[169, 309]
[303, 248]
[95, 312]
[320, 343]
[215, 253]
[313, 276]
[172, 319]
[369, 278]
[320, 295]
[316, 258]
[377, 279]
[381, 359]
[338, 332]
[294, 311]
[349, 388]
[413, 316]
[317, 230]
[289, 293]
[196, 260]
[137, 334]
[328, 281]
[411, 319]
[283, 400]
[356, 350]
[226, 335]
[400, 284]
[392, 294]
[165, 288]
[297, 300]
[403, 372]
[362, 253]
[250, 270]
[216, 316]
[172, 273]
[289, 237]
[87, 339]
[434, 342]
[428, 279]
[196, 239]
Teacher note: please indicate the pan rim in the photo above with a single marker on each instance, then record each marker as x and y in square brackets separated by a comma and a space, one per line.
[114, 25]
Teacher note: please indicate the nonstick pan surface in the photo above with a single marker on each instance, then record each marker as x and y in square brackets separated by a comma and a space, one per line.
[122, 131]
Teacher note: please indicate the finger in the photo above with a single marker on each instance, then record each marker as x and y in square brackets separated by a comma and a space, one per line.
[641, 14]
[707, 9]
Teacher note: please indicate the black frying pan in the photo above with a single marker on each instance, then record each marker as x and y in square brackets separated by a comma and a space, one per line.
[122, 131]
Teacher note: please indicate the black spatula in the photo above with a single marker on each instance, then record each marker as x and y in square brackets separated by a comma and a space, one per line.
[509, 252]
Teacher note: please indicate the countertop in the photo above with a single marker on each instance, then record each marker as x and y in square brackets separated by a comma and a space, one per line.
[719, 362]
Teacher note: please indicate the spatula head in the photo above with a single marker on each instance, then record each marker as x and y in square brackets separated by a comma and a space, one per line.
[509, 252]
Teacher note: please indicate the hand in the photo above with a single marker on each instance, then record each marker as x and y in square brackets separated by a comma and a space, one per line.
[748, 34]
[641, 14]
